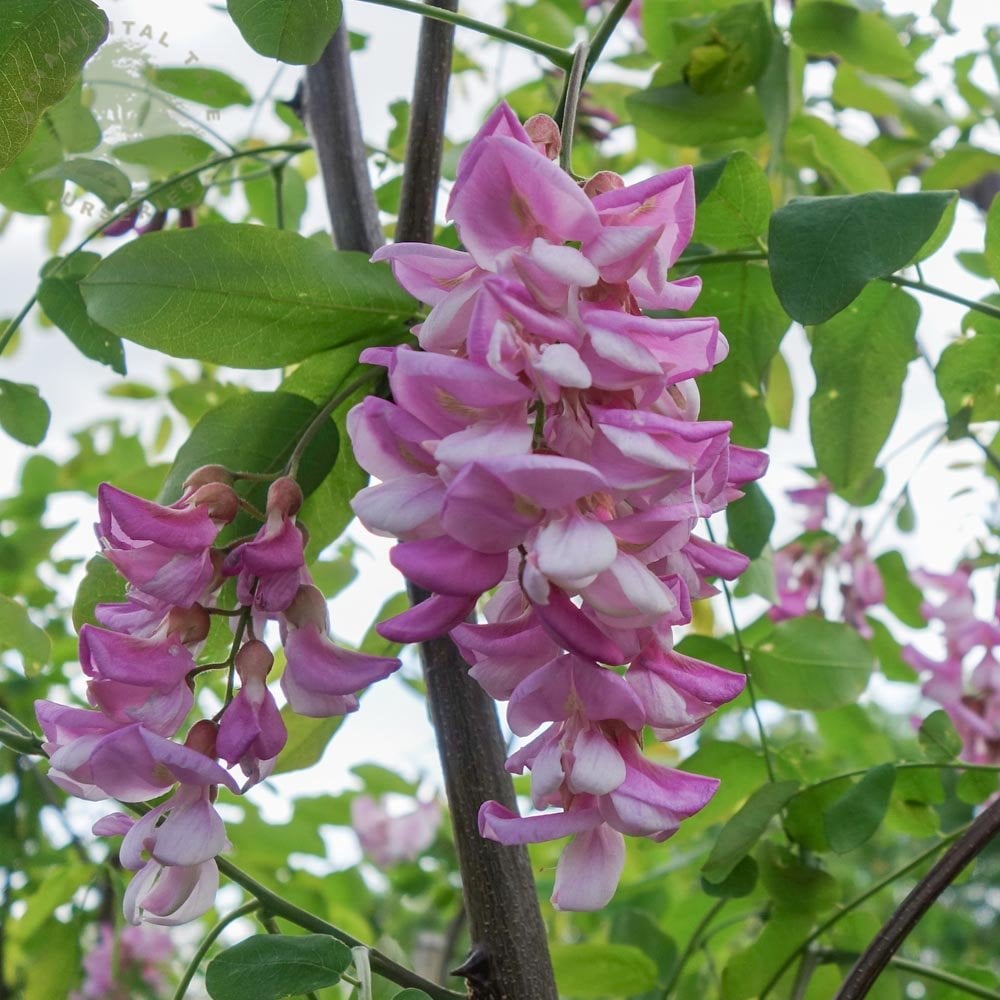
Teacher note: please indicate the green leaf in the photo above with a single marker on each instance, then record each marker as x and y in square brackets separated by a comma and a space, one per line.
[243, 295]
[59, 295]
[774, 93]
[210, 87]
[255, 432]
[379, 780]
[795, 887]
[967, 377]
[307, 740]
[24, 415]
[44, 46]
[741, 881]
[993, 238]
[676, 114]
[938, 737]
[961, 166]
[738, 837]
[864, 38]
[860, 358]
[812, 142]
[813, 664]
[602, 970]
[857, 814]
[411, 995]
[101, 584]
[96, 176]
[294, 31]
[166, 154]
[780, 398]
[19, 632]
[269, 967]
[23, 186]
[902, 596]
[754, 323]
[823, 251]
[750, 521]
[735, 211]
[729, 50]
[889, 653]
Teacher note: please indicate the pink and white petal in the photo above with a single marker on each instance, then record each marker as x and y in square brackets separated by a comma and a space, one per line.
[589, 869]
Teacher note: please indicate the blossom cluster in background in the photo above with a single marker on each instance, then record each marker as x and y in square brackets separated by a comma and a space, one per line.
[545, 442]
[966, 681]
[133, 964]
[141, 664]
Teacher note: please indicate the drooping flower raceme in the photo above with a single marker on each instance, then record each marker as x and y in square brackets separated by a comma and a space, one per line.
[966, 680]
[544, 445]
[141, 662]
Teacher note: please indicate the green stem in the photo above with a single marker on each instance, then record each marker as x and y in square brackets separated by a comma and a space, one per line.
[745, 664]
[292, 468]
[909, 766]
[555, 55]
[210, 939]
[854, 904]
[278, 175]
[991, 457]
[921, 286]
[570, 102]
[736, 256]
[695, 940]
[131, 206]
[16, 724]
[280, 907]
[603, 33]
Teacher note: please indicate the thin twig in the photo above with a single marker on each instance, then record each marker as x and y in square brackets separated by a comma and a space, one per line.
[570, 103]
[695, 940]
[603, 34]
[977, 835]
[207, 942]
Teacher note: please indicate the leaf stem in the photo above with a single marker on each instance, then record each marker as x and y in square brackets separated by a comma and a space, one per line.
[207, 942]
[556, 55]
[131, 206]
[292, 467]
[908, 766]
[695, 940]
[745, 664]
[942, 293]
[568, 106]
[280, 907]
[855, 903]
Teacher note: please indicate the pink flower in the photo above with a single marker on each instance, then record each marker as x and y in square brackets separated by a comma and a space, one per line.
[125, 964]
[320, 678]
[251, 731]
[164, 552]
[388, 839]
[272, 566]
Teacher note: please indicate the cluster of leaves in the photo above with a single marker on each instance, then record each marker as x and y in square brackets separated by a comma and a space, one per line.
[771, 890]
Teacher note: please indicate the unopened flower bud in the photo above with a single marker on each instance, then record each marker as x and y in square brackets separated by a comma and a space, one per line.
[284, 497]
[544, 133]
[254, 661]
[202, 738]
[308, 607]
[219, 499]
[208, 474]
[190, 625]
[602, 182]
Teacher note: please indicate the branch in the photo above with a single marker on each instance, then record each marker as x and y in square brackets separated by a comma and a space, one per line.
[332, 114]
[509, 957]
[874, 959]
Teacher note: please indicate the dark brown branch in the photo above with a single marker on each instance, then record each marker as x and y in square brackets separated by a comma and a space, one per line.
[332, 115]
[510, 957]
[862, 977]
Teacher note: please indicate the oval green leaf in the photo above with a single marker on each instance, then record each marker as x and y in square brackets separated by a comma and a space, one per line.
[857, 814]
[294, 31]
[243, 295]
[602, 970]
[812, 664]
[823, 251]
[270, 967]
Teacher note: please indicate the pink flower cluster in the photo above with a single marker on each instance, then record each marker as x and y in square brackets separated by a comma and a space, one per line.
[800, 567]
[132, 965]
[388, 838]
[141, 664]
[545, 442]
[966, 682]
